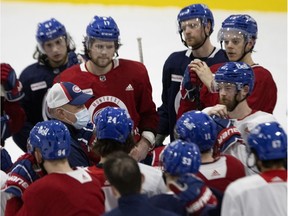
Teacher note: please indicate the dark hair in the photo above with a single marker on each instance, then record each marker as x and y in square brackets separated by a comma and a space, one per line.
[270, 164]
[104, 147]
[42, 58]
[123, 172]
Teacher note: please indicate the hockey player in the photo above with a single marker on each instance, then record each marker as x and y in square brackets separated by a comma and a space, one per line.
[195, 25]
[114, 132]
[238, 33]
[115, 82]
[63, 191]
[54, 53]
[125, 177]
[180, 160]
[266, 192]
[235, 82]
[217, 172]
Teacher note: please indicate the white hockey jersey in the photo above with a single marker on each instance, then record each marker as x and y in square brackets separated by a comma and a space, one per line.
[264, 194]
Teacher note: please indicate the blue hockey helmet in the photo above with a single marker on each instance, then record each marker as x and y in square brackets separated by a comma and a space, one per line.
[180, 157]
[238, 73]
[200, 11]
[113, 123]
[49, 30]
[52, 138]
[197, 127]
[238, 25]
[269, 141]
[103, 28]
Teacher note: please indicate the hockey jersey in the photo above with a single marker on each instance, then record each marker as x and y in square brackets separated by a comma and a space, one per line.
[264, 194]
[127, 86]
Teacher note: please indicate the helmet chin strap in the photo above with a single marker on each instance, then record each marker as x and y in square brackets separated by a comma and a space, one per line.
[245, 53]
[201, 44]
[237, 102]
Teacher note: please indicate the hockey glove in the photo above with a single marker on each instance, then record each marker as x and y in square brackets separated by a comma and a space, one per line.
[227, 135]
[86, 137]
[6, 162]
[10, 83]
[190, 84]
[24, 171]
[193, 193]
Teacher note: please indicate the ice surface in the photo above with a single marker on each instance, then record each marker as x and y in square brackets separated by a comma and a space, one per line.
[156, 27]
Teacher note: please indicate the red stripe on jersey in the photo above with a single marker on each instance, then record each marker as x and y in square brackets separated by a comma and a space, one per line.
[274, 176]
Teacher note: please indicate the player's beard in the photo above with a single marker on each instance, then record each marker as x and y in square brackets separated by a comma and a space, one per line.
[230, 104]
[102, 62]
[195, 42]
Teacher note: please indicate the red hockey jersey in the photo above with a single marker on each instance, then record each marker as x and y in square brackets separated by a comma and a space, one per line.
[127, 85]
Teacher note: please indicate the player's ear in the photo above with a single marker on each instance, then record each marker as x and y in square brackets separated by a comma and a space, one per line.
[250, 44]
[245, 90]
[207, 28]
[38, 156]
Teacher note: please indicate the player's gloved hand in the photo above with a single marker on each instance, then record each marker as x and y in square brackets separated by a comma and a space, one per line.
[10, 83]
[86, 137]
[5, 132]
[190, 84]
[24, 171]
[72, 59]
[6, 162]
[227, 135]
[193, 193]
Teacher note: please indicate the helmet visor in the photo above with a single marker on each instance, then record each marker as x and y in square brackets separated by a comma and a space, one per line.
[230, 34]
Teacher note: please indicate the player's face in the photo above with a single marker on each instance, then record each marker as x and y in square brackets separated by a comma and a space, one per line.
[102, 53]
[193, 32]
[234, 45]
[228, 95]
[56, 51]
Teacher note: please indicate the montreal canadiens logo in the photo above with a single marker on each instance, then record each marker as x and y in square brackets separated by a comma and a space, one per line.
[76, 89]
[104, 101]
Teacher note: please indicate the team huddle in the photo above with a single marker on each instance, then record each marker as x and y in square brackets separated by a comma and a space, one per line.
[93, 138]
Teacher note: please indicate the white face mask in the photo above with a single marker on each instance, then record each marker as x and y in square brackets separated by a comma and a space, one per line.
[82, 118]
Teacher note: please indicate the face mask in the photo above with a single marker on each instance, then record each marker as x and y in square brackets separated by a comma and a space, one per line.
[82, 118]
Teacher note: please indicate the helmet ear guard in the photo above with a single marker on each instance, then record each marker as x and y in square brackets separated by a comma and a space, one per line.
[180, 157]
[197, 127]
[103, 28]
[50, 30]
[193, 11]
[239, 25]
[52, 138]
[269, 141]
[113, 123]
[238, 73]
